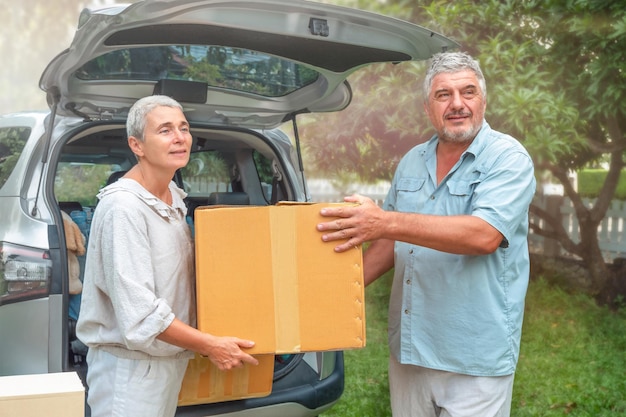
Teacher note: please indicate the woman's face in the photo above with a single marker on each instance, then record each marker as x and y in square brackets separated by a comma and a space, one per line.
[456, 106]
[167, 140]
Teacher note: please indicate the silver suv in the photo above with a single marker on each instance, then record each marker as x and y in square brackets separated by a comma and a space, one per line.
[241, 70]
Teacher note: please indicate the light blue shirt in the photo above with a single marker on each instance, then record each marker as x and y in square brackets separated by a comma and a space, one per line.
[462, 313]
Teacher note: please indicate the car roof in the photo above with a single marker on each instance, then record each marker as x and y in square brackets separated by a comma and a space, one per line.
[250, 63]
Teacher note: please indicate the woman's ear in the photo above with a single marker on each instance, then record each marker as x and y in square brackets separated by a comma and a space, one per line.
[135, 145]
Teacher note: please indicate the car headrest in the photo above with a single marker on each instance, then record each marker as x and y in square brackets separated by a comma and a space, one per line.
[229, 199]
[115, 176]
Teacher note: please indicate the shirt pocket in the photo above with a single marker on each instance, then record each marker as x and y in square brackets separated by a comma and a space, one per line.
[411, 194]
[461, 193]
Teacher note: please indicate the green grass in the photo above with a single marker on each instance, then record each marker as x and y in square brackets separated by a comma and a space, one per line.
[572, 362]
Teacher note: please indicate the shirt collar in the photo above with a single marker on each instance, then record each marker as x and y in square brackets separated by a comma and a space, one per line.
[132, 186]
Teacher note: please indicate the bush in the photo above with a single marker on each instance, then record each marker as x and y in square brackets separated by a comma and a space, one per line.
[590, 182]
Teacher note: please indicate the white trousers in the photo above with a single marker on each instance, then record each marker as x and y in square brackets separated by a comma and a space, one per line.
[121, 387]
[423, 392]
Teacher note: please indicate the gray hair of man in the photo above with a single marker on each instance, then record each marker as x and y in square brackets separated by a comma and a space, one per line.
[450, 62]
[136, 121]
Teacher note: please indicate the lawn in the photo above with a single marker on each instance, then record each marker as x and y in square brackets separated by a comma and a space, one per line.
[572, 362]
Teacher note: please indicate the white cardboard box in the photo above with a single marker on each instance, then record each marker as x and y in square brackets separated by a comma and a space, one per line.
[51, 395]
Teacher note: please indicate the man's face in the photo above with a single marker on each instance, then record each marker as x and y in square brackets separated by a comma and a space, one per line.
[456, 106]
[167, 140]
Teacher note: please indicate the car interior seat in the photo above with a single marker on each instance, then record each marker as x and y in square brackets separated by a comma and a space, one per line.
[236, 198]
[70, 206]
[115, 176]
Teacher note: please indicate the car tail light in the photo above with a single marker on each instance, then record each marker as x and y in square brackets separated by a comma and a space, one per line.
[24, 272]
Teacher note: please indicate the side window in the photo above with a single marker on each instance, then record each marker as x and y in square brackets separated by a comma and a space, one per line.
[263, 167]
[12, 142]
[206, 172]
[211, 171]
[266, 173]
[81, 182]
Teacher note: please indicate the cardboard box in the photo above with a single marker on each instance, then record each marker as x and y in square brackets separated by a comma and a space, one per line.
[264, 274]
[204, 383]
[51, 395]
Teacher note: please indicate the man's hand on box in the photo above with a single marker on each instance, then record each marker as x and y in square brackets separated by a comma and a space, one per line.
[353, 224]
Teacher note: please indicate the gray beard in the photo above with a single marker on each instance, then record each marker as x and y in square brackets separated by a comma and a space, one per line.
[462, 137]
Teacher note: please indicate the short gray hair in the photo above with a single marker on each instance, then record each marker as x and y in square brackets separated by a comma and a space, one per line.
[450, 62]
[136, 121]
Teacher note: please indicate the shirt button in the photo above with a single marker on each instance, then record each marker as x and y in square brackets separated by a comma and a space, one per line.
[408, 282]
[432, 197]
[406, 311]
[410, 251]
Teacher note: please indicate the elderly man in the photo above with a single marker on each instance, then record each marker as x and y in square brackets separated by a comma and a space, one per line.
[454, 225]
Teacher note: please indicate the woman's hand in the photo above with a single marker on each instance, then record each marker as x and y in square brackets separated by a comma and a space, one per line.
[226, 352]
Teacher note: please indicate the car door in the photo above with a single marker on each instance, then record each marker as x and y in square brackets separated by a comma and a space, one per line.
[30, 297]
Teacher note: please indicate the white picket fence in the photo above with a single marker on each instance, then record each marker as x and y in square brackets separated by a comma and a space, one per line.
[611, 234]
[610, 231]
[326, 191]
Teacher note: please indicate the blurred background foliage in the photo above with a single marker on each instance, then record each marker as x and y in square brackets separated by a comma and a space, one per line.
[556, 76]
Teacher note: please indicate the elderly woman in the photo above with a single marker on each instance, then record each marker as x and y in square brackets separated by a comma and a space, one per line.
[138, 311]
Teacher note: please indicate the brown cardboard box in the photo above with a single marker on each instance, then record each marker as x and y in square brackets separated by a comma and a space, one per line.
[204, 383]
[51, 395]
[264, 274]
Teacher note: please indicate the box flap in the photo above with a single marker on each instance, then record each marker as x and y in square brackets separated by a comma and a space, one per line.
[204, 383]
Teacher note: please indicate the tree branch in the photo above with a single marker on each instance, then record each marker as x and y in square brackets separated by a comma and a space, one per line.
[556, 232]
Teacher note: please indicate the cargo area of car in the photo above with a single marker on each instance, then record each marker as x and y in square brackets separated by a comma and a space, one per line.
[232, 167]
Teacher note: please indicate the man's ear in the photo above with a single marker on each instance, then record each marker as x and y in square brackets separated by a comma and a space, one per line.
[135, 145]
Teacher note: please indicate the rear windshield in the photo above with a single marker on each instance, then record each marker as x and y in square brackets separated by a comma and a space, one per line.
[222, 67]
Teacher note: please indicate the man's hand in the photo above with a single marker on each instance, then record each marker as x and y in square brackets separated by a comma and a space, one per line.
[353, 224]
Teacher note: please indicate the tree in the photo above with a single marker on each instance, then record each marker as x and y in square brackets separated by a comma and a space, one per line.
[368, 138]
[365, 141]
[559, 71]
[556, 73]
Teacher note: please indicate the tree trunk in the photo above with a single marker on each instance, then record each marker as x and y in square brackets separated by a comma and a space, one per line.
[592, 257]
